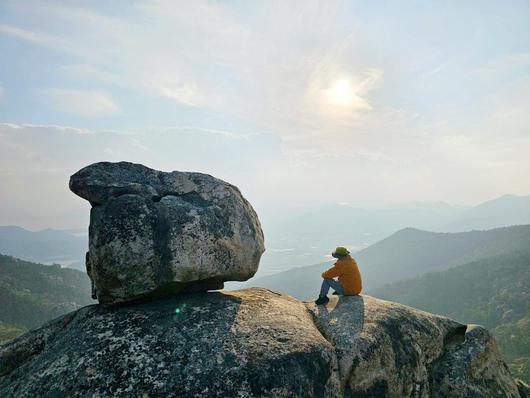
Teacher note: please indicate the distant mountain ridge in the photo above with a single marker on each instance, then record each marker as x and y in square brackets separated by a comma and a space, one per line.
[410, 252]
[405, 254]
[503, 211]
[297, 237]
[45, 246]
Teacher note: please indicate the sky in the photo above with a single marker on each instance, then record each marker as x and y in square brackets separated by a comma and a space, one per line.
[296, 103]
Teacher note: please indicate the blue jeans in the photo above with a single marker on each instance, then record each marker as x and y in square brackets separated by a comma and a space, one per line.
[327, 283]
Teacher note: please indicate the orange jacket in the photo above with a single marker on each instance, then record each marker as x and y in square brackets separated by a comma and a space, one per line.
[349, 276]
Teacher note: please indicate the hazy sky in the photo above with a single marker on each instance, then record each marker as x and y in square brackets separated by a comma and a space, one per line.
[297, 103]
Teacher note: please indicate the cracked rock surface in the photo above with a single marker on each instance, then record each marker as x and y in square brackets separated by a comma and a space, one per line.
[155, 233]
[254, 343]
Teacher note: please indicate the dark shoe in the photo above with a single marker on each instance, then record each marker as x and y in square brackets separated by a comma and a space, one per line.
[322, 300]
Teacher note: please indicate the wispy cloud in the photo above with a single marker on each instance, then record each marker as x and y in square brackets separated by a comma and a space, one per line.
[91, 103]
[275, 69]
[43, 128]
[390, 99]
[43, 157]
[433, 72]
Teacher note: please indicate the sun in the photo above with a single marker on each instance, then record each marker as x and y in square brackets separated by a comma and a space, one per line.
[340, 93]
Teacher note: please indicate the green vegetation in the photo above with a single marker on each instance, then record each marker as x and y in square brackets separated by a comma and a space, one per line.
[8, 332]
[32, 294]
[494, 292]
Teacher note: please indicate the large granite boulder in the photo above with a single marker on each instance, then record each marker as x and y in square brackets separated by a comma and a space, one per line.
[154, 233]
[254, 343]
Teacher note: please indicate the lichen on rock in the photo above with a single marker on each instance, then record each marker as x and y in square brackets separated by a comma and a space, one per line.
[386, 349]
[249, 343]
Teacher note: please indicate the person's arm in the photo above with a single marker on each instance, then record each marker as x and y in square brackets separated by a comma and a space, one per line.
[333, 272]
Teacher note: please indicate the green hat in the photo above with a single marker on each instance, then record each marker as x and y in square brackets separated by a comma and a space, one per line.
[340, 251]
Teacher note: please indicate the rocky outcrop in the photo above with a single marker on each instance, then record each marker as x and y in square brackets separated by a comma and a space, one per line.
[254, 343]
[386, 349]
[154, 233]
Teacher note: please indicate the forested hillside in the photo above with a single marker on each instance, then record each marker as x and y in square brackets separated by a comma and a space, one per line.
[411, 252]
[494, 292]
[32, 294]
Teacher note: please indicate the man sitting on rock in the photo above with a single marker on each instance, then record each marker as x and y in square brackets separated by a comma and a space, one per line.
[349, 278]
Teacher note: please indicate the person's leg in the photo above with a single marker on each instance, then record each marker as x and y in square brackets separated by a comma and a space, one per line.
[327, 283]
[336, 286]
[324, 289]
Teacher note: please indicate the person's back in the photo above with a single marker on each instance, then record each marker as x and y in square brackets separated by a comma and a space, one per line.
[349, 277]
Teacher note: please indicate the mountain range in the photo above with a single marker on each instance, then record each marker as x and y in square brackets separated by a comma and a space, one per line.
[405, 254]
[300, 236]
[47, 246]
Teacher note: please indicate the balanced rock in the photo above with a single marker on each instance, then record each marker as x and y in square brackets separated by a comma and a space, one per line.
[255, 343]
[154, 233]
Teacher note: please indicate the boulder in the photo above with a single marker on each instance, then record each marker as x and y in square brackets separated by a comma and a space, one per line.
[155, 233]
[254, 343]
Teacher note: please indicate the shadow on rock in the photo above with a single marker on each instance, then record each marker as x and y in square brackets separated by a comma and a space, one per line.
[341, 319]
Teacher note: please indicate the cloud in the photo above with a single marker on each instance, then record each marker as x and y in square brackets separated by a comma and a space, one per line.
[37, 160]
[270, 68]
[386, 98]
[43, 128]
[433, 72]
[90, 103]
[87, 72]
[33, 37]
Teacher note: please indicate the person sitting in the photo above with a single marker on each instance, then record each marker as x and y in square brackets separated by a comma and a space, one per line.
[349, 278]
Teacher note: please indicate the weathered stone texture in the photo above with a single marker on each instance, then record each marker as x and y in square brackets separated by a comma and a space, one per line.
[386, 349]
[154, 233]
[254, 343]
[250, 343]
